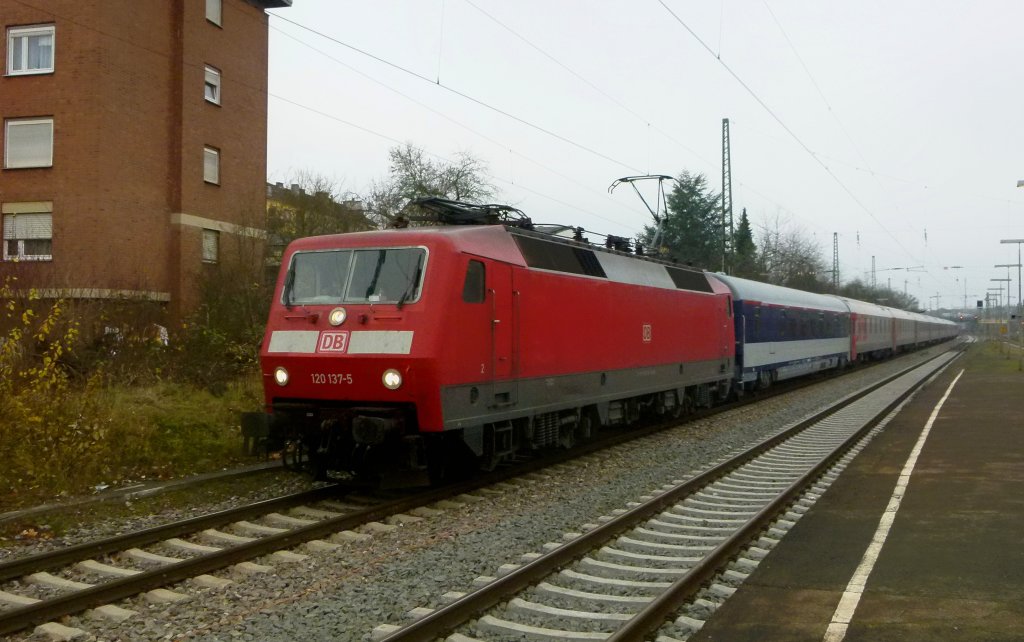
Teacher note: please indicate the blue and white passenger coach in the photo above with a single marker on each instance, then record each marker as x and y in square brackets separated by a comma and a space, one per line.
[783, 333]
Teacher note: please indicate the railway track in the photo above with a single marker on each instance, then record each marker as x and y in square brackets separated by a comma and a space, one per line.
[42, 588]
[39, 589]
[663, 565]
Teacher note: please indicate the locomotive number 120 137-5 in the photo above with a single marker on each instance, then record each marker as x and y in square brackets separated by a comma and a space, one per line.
[330, 378]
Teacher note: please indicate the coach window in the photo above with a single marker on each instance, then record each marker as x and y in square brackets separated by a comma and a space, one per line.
[473, 288]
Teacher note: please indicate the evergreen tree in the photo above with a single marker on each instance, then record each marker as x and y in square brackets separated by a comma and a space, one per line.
[744, 251]
[691, 231]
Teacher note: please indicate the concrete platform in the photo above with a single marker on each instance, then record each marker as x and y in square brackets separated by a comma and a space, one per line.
[951, 567]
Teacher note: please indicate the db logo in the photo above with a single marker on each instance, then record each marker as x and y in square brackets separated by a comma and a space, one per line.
[332, 342]
[647, 332]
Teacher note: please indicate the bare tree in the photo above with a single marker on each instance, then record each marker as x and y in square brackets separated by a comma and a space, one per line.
[413, 175]
[788, 257]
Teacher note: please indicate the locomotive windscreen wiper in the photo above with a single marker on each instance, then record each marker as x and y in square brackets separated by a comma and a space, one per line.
[412, 284]
[372, 287]
[289, 283]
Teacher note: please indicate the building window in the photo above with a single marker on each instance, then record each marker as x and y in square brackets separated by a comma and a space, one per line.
[211, 165]
[28, 231]
[30, 50]
[211, 246]
[211, 87]
[28, 142]
[213, 11]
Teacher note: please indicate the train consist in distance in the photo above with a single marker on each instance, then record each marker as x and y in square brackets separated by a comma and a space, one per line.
[408, 353]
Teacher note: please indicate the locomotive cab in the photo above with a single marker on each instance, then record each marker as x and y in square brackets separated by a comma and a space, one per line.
[339, 366]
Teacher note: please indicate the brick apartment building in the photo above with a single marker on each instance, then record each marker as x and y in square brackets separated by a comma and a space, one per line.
[134, 141]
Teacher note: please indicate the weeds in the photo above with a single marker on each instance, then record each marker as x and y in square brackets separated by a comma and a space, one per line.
[121, 403]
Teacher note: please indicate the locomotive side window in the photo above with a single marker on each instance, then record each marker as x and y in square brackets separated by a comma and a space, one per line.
[473, 288]
[390, 275]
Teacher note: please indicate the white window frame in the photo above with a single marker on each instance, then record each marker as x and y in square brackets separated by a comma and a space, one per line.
[26, 32]
[10, 214]
[211, 245]
[16, 163]
[211, 85]
[215, 11]
[211, 175]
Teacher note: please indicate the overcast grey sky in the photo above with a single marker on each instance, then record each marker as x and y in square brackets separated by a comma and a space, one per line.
[898, 125]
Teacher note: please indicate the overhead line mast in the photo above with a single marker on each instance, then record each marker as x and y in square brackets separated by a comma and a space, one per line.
[727, 226]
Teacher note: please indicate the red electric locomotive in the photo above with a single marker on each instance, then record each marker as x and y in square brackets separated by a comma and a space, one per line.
[413, 350]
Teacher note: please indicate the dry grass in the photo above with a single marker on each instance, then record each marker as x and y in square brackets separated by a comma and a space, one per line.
[65, 429]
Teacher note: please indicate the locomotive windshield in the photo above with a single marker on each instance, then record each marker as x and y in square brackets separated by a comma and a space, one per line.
[389, 275]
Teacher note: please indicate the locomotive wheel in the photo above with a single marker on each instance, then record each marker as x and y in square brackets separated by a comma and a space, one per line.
[567, 435]
[295, 456]
[689, 407]
[449, 459]
[587, 424]
[677, 409]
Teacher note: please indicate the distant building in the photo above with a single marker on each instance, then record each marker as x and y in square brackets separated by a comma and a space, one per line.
[293, 212]
[134, 143]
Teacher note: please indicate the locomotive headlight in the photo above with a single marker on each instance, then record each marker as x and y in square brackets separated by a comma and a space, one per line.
[337, 316]
[392, 379]
[281, 376]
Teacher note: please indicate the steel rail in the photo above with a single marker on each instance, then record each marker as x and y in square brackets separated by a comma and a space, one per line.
[445, 619]
[15, 619]
[19, 618]
[62, 557]
[653, 616]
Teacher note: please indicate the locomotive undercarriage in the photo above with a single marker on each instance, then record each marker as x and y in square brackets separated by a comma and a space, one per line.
[504, 441]
[344, 442]
[381, 444]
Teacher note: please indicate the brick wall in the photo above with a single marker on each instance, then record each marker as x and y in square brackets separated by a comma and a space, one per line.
[130, 124]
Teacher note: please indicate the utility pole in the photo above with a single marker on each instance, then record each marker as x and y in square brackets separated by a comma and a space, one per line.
[1020, 302]
[835, 262]
[727, 230]
[1008, 266]
[874, 283]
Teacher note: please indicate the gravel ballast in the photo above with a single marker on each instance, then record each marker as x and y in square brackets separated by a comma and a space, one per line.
[344, 593]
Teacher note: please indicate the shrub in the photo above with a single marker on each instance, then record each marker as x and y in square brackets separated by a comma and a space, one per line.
[77, 413]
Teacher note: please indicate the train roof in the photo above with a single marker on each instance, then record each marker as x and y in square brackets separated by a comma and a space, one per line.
[527, 248]
[864, 307]
[747, 290]
[492, 241]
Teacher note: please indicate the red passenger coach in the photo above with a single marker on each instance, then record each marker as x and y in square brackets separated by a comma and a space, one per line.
[421, 349]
